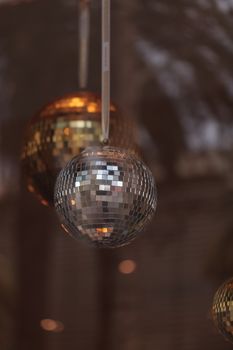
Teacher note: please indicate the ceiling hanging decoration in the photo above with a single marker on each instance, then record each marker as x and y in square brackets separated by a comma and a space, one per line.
[62, 130]
[222, 310]
[105, 195]
[65, 127]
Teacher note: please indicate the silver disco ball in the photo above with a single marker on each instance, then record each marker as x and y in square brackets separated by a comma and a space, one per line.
[105, 196]
[222, 310]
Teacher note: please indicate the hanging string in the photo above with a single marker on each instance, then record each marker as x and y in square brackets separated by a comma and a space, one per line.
[105, 68]
[84, 38]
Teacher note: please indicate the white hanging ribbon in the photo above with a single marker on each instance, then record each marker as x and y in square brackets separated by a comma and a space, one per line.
[84, 38]
[106, 7]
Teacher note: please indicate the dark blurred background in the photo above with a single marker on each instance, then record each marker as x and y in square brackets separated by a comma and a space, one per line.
[173, 72]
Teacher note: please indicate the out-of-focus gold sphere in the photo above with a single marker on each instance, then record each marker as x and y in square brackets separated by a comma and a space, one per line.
[222, 310]
[62, 130]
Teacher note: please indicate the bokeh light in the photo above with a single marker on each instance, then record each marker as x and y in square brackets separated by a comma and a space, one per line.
[127, 266]
[50, 325]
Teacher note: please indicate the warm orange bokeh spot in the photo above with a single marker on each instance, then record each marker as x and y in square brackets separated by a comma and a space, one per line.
[92, 107]
[127, 267]
[51, 325]
[67, 131]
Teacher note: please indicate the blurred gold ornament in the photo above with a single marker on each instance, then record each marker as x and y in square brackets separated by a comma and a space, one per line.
[62, 130]
[222, 310]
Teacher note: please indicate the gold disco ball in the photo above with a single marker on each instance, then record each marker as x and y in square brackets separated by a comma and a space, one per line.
[222, 310]
[62, 130]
